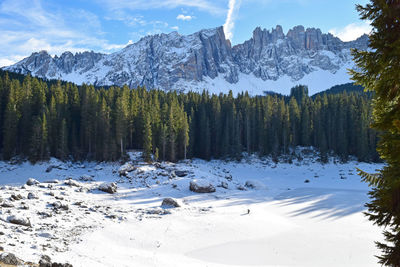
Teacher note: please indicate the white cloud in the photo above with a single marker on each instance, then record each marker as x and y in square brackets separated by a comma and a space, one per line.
[26, 26]
[184, 17]
[175, 28]
[10, 60]
[204, 5]
[229, 25]
[112, 47]
[351, 31]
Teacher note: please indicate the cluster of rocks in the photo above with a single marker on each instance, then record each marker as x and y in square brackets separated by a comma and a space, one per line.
[36, 214]
[110, 188]
[201, 186]
[45, 261]
[150, 173]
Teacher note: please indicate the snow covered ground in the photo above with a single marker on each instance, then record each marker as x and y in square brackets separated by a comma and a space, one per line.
[317, 81]
[262, 214]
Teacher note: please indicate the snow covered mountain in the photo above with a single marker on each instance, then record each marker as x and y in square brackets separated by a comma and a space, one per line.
[269, 61]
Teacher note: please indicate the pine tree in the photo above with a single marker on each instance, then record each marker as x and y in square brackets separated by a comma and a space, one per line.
[38, 141]
[147, 139]
[380, 72]
[11, 119]
[171, 133]
[163, 140]
[294, 115]
[85, 122]
[185, 134]
[62, 150]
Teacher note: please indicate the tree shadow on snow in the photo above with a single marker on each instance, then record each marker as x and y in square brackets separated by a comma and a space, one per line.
[324, 203]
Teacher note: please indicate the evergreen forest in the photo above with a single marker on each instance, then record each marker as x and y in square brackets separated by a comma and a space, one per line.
[41, 119]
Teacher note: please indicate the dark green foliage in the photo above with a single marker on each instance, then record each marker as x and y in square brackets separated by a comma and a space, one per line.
[379, 71]
[147, 143]
[338, 89]
[43, 119]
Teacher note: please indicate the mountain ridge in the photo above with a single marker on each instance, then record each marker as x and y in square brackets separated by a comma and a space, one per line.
[269, 60]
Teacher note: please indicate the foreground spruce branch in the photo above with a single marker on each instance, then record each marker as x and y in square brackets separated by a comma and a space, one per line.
[380, 72]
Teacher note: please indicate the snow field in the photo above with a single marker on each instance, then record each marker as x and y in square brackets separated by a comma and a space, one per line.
[275, 219]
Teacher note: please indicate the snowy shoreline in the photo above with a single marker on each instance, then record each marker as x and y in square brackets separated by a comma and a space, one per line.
[261, 213]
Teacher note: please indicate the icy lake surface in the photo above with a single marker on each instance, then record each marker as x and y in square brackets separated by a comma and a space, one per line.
[261, 214]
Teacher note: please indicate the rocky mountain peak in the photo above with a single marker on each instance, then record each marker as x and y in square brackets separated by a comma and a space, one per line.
[174, 61]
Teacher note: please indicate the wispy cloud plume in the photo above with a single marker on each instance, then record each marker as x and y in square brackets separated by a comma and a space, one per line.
[184, 17]
[205, 5]
[352, 31]
[233, 9]
[27, 26]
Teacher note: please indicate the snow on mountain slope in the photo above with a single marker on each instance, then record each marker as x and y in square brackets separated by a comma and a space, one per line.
[316, 81]
[270, 60]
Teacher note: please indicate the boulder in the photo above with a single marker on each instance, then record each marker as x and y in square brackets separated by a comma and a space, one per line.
[9, 258]
[201, 186]
[55, 181]
[181, 173]
[14, 219]
[56, 264]
[7, 204]
[72, 182]
[50, 168]
[86, 178]
[170, 203]
[32, 196]
[16, 197]
[124, 169]
[58, 205]
[253, 184]
[32, 181]
[24, 207]
[241, 188]
[110, 188]
[158, 212]
[224, 185]
[45, 261]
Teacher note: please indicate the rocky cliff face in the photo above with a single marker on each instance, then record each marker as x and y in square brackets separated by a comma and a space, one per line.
[172, 61]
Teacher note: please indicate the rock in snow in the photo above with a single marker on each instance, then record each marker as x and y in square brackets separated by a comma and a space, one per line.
[9, 258]
[7, 204]
[124, 169]
[253, 184]
[32, 181]
[16, 197]
[72, 182]
[45, 261]
[86, 178]
[170, 203]
[108, 188]
[181, 173]
[201, 186]
[58, 205]
[224, 185]
[15, 219]
[32, 196]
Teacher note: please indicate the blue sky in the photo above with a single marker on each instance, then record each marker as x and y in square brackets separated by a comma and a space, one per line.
[27, 26]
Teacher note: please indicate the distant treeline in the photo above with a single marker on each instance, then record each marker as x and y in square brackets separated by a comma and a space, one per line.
[39, 119]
